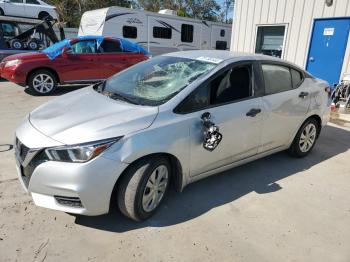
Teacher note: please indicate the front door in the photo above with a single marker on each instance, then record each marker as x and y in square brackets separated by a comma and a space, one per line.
[327, 48]
[14, 8]
[80, 63]
[230, 100]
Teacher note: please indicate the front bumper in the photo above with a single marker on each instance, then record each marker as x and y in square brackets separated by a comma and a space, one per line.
[49, 182]
[12, 74]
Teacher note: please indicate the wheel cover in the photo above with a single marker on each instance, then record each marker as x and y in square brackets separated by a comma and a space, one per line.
[33, 45]
[17, 45]
[307, 138]
[155, 188]
[43, 83]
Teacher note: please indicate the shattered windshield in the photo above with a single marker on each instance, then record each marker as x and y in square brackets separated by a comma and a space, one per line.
[155, 81]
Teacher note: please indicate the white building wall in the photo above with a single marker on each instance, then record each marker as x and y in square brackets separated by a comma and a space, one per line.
[297, 15]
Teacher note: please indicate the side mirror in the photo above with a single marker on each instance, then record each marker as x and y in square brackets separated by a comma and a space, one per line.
[67, 52]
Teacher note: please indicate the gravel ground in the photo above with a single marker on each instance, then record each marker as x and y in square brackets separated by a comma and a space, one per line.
[275, 209]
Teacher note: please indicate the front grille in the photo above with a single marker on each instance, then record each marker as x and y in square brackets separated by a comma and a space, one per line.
[21, 149]
[29, 169]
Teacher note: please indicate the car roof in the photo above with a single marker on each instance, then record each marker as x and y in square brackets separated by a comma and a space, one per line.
[219, 56]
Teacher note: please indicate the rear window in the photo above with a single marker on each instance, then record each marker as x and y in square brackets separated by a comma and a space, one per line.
[297, 78]
[277, 78]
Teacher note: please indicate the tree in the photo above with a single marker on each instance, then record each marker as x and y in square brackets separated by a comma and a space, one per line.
[201, 9]
[70, 11]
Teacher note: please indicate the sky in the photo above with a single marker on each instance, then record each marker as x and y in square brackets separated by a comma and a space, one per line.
[221, 2]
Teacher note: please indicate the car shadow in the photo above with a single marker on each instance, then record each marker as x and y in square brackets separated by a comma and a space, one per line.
[260, 176]
[61, 90]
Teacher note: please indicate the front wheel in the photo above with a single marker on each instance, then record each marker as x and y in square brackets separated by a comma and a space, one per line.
[143, 187]
[42, 82]
[305, 139]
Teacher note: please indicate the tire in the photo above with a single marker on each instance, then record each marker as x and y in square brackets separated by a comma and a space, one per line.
[33, 44]
[134, 187]
[16, 44]
[308, 133]
[42, 82]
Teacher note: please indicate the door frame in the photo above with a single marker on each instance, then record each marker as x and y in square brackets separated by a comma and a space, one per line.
[312, 34]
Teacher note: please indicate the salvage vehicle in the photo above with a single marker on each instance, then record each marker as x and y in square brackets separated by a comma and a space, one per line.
[80, 60]
[28, 8]
[170, 120]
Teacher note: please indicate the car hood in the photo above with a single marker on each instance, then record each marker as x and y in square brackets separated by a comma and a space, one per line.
[25, 56]
[85, 115]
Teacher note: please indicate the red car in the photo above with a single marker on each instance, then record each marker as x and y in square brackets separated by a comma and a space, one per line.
[77, 61]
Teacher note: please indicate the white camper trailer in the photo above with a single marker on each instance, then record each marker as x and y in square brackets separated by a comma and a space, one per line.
[158, 33]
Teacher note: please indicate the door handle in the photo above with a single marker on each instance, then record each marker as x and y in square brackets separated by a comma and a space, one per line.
[253, 112]
[303, 94]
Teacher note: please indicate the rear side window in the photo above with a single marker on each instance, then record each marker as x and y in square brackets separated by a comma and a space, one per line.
[187, 33]
[108, 46]
[277, 78]
[297, 78]
[162, 32]
[130, 32]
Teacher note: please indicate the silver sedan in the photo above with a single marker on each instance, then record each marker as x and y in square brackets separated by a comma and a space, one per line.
[171, 120]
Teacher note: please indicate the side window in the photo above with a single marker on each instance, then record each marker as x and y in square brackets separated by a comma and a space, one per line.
[130, 31]
[231, 85]
[32, 2]
[222, 33]
[297, 77]
[16, 1]
[162, 32]
[277, 78]
[108, 46]
[187, 33]
[221, 45]
[84, 47]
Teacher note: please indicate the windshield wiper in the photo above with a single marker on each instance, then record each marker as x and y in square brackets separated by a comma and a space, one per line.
[123, 98]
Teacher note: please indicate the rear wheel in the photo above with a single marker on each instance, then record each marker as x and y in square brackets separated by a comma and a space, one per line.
[143, 187]
[42, 82]
[305, 139]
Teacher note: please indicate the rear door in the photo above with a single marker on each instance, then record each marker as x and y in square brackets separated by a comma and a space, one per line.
[112, 59]
[31, 8]
[14, 8]
[230, 98]
[286, 102]
[80, 63]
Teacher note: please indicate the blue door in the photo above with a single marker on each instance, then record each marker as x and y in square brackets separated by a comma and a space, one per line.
[327, 48]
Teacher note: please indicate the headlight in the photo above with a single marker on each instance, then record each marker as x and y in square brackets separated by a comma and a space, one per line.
[80, 153]
[12, 62]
